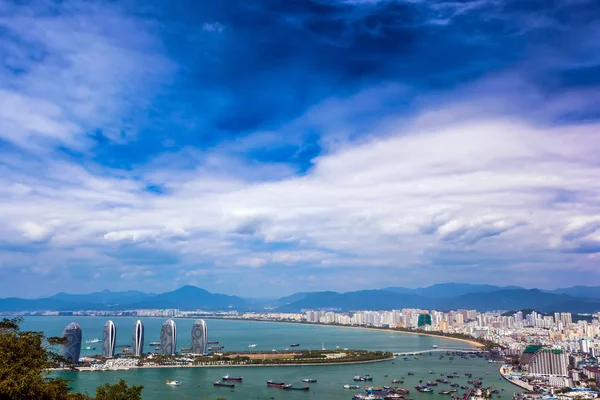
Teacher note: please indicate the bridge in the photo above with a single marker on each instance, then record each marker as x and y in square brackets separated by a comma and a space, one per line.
[455, 350]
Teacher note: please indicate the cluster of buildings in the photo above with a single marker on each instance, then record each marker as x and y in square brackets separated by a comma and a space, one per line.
[554, 350]
[71, 350]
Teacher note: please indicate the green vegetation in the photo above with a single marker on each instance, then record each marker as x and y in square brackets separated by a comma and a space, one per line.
[25, 359]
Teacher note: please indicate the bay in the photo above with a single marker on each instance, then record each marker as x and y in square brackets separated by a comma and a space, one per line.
[237, 335]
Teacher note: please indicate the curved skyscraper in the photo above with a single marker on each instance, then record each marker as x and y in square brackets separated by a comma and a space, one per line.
[137, 346]
[109, 336]
[72, 348]
[168, 337]
[199, 337]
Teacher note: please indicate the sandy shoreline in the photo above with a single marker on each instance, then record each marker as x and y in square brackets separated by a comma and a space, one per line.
[472, 342]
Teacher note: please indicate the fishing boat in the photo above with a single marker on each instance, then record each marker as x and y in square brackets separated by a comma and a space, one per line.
[275, 384]
[360, 396]
[212, 342]
[253, 345]
[309, 380]
[289, 386]
[424, 389]
[95, 340]
[351, 387]
[232, 378]
[397, 381]
[173, 383]
[221, 384]
[89, 348]
[295, 345]
[154, 343]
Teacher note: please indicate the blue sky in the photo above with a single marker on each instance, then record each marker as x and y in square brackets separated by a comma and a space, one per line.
[261, 148]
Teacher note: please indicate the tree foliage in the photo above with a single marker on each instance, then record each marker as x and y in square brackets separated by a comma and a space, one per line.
[25, 359]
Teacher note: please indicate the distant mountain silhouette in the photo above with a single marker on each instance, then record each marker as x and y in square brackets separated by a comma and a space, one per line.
[578, 299]
[185, 298]
[447, 290]
[105, 297]
[504, 299]
[192, 298]
[592, 292]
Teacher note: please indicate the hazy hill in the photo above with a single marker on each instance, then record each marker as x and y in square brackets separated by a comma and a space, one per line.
[448, 290]
[192, 298]
[105, 297]
[185, 298]
[504, 299]
[580, 291]
[578, 299]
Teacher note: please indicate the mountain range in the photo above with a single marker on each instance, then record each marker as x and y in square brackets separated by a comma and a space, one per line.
[446, 296]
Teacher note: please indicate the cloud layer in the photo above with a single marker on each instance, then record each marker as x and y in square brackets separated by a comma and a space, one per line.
[364, 144]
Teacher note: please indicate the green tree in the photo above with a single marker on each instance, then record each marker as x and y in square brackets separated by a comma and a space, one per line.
[25, 359]
[119, 391]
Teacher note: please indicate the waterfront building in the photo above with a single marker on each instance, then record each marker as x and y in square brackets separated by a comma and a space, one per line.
[541, 360]
[138, 339]
[199, 337]
[72, 348]
[109, 337]
[168, 337]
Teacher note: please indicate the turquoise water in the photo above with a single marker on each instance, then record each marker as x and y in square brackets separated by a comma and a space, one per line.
[236, 335]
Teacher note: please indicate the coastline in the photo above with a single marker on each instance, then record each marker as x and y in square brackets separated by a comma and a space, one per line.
[471, 342]
[519, 383]
[88, 369]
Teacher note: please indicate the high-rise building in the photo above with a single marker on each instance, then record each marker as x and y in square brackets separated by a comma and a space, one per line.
[584, 345]
[168, 337]
[545, 361]
[109, 337]
[138, 339]
[199, 337]
[424, 319]
[72, 348]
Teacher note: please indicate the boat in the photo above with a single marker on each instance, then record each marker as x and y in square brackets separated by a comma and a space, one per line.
[232, 378]
[443, 392]
[253, 345]
[221, 384]
[212, 342]
[275, 384]
[397, 381]
[95, 340]
[311, 380]
[294, 344]
[435, 346]
[154, 343]
[424, 389]
[391, 396]
[157, 348]
[351, 387]
[216, 347]
[289, 386]
[89, 348]
[360, 396]
[173, 383]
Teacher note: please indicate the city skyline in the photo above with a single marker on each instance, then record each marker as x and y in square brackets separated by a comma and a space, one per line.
[304, 147]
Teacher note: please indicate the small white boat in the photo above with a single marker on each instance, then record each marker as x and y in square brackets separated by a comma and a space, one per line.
[96, 340]
[173, 383]
[253, 345]
[351, 387]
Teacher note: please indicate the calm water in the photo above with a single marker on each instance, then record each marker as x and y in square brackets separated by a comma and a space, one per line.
[236, 335]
